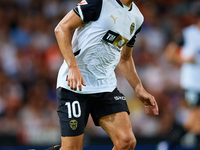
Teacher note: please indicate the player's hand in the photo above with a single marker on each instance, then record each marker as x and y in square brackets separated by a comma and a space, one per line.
[75, 79]
[148, 100]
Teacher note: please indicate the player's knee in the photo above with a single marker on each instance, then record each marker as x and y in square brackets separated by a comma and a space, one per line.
[126, 142]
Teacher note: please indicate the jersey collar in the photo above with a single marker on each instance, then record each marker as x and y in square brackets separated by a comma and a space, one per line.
[119, 2]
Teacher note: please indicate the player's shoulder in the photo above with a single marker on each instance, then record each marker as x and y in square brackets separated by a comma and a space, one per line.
[90, 2]
[135, 7]
[136, 10]
[190, 30]
[88, 10]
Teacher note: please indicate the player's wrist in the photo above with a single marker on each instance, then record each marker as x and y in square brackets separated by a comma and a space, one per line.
[138, 88]
[73, 65]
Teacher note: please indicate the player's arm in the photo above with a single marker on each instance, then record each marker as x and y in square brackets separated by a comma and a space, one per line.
[63, 35]
[127, 67]
[172, 53]
[175, 52]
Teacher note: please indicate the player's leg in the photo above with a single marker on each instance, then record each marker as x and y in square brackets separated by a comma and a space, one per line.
[186, 119]
[198, 142]
[110, 111]
[198, 133]
[119, 129]
[69, 143]
[192, 123]
[73, 114]
[72, 143]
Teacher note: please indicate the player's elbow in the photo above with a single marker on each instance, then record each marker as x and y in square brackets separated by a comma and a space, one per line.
[57, 29]
[62, 30]
[125, 58]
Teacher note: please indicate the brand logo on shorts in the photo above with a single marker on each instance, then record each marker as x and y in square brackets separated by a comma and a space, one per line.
[73, 124]
[119, 98]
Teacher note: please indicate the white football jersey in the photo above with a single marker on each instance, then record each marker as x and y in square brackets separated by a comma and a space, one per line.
[97, 44]
[190, 72]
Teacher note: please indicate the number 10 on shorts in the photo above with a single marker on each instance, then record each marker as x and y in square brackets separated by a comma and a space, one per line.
[71, 106]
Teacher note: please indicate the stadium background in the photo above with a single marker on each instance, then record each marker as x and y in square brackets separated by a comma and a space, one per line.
[30, 59]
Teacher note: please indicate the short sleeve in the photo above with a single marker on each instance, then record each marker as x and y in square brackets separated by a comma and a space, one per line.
[132, 40]
[88, 10]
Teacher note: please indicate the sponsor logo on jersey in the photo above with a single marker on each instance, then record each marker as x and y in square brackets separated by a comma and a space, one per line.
[119, 98]
[73, 124]
[83, 2]
[114, 18]
[115, 39]
[132, 27]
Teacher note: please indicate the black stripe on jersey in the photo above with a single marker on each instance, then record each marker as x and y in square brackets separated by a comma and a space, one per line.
[120, 3]
[132, 40]
[77, 52]
[91, 11]
[76, 11]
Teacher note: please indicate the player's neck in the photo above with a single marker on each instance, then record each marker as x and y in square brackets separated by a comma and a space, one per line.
[127, 3]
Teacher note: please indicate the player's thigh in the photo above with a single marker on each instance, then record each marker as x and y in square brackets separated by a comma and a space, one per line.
[72, 111]
[192, 123]
[107, 103]
[118, 126]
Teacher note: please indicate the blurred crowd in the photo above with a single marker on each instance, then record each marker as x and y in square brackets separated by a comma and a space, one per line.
[30, 59]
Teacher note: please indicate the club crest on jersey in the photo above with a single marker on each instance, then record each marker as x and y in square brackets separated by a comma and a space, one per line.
[73, 124]
[83, 2]
[132, 27]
